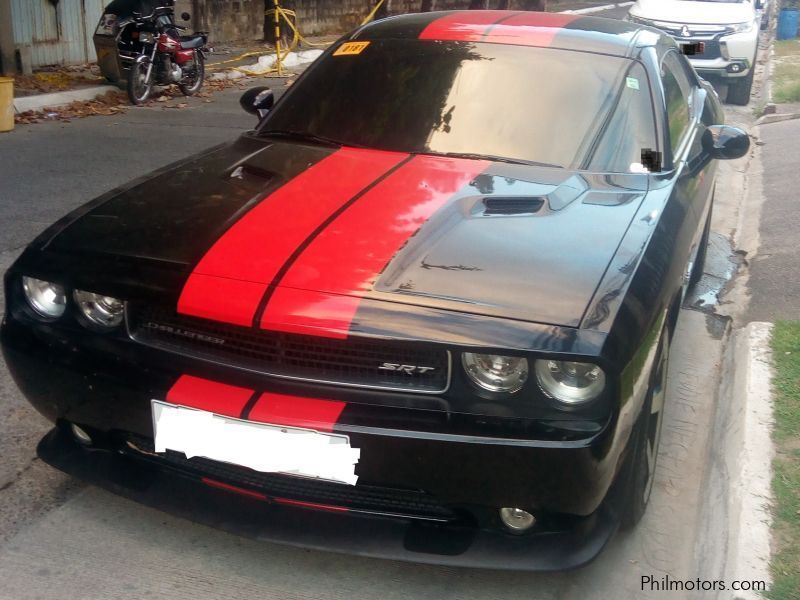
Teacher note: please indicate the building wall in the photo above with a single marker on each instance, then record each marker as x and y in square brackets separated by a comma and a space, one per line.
[55, 33]
[244, 20]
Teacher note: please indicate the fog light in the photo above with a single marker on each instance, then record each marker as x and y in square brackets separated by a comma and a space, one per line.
[517, 520]
[80, 435]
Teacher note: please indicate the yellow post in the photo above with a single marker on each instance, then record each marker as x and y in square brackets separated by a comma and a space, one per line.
[6, 103]
[277, 20]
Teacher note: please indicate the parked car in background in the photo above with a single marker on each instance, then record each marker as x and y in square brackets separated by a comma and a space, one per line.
[766, 13]
[721, 36]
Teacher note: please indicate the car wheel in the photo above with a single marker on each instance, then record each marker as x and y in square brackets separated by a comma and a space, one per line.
[646, 439]
[739, 92]
[697, 266]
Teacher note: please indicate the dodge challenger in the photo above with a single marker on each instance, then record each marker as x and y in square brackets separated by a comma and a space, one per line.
[422, 311]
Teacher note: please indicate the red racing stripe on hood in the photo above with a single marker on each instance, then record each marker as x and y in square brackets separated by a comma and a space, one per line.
[463, 26]
[231, 279]
[321, 290]
[528, 29]
[297, 411]
[211, 396]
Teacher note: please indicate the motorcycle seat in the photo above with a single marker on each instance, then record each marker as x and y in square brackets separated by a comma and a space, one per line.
[192, 42]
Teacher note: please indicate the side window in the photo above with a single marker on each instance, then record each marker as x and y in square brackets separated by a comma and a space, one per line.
[678, 94]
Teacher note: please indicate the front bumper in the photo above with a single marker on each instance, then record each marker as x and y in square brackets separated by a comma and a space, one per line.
[722, 69]
[454, 544]
[733, 57]
[564, 482]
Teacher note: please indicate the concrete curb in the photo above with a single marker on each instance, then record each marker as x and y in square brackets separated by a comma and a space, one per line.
[745, 458]
[57, 99]
[776, 118]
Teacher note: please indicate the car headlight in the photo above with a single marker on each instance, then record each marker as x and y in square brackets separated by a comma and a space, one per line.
[46, 298]
[743, 27]
[105, 311]
[496, 373]
[569, 382]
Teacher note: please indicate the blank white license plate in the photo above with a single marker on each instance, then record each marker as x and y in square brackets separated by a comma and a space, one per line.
[259, 446]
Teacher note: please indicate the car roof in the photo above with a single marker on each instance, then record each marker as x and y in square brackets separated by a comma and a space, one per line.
[524, 28]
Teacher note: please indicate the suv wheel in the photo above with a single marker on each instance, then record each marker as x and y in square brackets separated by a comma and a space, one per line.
[739, 92]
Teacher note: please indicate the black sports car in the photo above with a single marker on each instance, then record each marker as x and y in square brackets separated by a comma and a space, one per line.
[423, 311]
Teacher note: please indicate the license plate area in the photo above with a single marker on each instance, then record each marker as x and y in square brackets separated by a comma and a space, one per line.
[263, 447]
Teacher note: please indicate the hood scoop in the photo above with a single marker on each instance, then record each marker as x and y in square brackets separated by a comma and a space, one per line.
[511, 205]
[251, 176]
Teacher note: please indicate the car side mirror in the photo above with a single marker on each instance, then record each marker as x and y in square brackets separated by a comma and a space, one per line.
[257, 101]
[186, 16]
[724, 142]
[759, 4]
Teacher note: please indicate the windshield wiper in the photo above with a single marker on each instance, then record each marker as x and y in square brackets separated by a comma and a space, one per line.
[505, 159]
[304, 136]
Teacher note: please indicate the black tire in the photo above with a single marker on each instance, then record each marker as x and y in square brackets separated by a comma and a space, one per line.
[646, 438]
[138, 89]
[739, 92]
[192, 87]
[702, 251]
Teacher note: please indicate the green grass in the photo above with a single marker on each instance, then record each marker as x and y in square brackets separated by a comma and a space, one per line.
[787, 47]
[786, 75]
[786, 479]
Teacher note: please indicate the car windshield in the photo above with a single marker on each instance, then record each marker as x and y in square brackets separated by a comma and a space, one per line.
[523, 104]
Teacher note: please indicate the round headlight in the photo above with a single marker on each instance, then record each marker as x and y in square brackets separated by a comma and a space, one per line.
[46, 298]
[100, 310]
[570, 382]
[496, 373]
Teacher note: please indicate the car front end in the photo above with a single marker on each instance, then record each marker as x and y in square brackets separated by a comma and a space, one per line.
[452, 470]
[722, 51]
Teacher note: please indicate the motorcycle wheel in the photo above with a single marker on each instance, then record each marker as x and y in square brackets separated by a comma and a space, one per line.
[193, 83]
[139, 87]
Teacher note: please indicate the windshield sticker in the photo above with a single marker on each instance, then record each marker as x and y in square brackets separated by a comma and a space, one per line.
[351, 48]
[632, 83]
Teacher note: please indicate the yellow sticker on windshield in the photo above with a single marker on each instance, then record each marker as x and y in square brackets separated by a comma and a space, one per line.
[351, 48]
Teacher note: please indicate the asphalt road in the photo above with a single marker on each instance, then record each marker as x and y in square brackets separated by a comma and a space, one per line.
[62, 539]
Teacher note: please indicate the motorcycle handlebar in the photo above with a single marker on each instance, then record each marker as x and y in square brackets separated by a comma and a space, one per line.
[157, 12]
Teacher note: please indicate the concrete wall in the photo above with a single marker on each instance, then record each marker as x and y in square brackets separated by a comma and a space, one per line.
[243, 20]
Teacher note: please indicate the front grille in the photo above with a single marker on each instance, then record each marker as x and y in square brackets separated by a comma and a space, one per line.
[364, 498]
[357, 362]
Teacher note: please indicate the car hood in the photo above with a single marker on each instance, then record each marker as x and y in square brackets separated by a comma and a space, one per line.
[517, 241]
[688, 11]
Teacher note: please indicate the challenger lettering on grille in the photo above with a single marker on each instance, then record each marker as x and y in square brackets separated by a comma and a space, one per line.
[192, 335]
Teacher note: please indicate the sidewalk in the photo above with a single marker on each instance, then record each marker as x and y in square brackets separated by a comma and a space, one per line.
[775, 270]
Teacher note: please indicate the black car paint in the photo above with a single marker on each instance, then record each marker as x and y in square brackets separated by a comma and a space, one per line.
[128, 244]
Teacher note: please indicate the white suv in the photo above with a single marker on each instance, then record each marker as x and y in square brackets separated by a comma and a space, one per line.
[728, 30]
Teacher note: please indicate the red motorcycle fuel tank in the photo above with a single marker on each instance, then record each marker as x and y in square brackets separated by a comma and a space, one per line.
[168, 44]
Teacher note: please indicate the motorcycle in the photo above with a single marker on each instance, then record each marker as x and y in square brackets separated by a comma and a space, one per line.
[165, 56]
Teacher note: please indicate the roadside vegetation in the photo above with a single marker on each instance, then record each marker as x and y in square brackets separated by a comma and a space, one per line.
[786, 75]
[786, 480]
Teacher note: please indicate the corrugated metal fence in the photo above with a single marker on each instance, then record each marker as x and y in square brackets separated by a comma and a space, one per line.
[58, 32]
